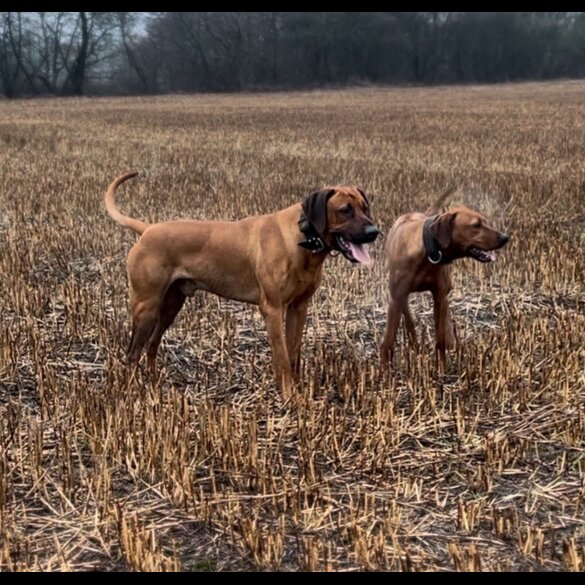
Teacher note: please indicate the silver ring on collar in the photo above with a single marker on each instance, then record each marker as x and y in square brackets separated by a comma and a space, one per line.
[439, 258]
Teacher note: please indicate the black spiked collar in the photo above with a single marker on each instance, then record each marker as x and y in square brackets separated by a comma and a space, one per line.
[434, 253]
[313, 240]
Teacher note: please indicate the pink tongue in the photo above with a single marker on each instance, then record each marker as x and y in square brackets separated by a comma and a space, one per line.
[360, 253]
[492, 256]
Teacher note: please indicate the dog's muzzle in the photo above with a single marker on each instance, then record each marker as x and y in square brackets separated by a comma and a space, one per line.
[354, 247]
[366, 235]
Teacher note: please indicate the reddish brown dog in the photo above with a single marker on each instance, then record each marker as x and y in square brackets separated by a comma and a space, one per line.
[274, 261]
[419, 251]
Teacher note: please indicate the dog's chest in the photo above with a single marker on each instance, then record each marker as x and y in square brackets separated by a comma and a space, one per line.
[300, 283]
[430, 278]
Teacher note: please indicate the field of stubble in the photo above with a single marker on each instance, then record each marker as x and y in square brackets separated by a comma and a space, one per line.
[482, 467]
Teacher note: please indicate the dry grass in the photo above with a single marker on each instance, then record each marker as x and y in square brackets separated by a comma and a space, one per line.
[480, 468]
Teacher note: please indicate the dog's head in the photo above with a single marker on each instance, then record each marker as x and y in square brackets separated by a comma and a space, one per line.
[462, 232]
[342, 217]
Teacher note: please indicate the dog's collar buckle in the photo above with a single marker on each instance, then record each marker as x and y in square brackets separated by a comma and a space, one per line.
[313, 242]
[314, 245]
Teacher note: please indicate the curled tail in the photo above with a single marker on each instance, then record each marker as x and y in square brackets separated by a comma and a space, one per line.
[436, 206]
[134, 224]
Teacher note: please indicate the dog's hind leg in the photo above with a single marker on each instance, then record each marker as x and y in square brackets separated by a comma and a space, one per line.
[145, 315]
[395, 309]
[172, 303]
[410, 329]
[149, 280]
[449, 331]
[145, 307]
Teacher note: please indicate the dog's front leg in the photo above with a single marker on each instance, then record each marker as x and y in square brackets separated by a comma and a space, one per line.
[274, 316]
[443, 326]
[296, 315]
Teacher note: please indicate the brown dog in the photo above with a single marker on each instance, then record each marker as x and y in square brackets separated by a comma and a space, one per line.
[274, 261]
[419, 251]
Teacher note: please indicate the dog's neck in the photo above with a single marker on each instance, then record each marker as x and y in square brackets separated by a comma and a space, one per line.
[313, 241]
[434, 253]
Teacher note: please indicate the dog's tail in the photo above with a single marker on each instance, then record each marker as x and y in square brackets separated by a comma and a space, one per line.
[134, 224]
[436, 206]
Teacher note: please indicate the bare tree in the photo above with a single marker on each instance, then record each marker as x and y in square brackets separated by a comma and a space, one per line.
[127, 22]
[52, 37]
[11, 40]
[94, 44]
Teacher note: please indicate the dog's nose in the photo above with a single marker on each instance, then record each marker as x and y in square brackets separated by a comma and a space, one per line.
[504, 239]
[371, 232]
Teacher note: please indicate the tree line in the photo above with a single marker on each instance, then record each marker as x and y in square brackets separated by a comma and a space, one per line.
[77, 53]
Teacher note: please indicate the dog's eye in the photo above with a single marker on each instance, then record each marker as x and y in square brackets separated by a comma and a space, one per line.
[346, 209]
[476, 224]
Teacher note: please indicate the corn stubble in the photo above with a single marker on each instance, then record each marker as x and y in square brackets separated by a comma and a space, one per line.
[478, 467]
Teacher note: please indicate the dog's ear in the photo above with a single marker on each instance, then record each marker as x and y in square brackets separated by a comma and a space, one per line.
[442, 229]
[364, 196]
[315, 208]
[368, 211]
